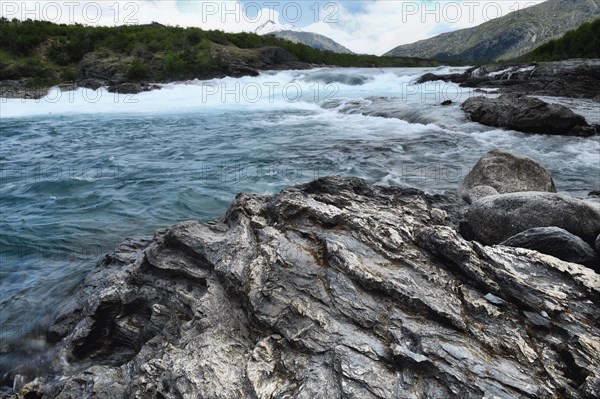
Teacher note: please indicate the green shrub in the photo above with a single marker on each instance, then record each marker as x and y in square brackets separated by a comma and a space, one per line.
[137, 71]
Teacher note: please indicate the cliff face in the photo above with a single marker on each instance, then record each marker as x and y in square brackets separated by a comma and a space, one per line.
[506, 37]
[331, 289]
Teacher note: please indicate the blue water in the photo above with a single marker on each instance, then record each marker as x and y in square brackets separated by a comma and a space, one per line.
[77, 177]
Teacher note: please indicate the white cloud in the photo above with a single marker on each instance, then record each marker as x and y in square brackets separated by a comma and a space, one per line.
[377, 28]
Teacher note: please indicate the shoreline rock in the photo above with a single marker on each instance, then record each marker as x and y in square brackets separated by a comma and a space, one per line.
[558, 243]
[496, 218]
[335, 288]
[527, 114]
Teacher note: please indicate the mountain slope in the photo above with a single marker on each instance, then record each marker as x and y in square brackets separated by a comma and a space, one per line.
[506, 37]
[295, 35]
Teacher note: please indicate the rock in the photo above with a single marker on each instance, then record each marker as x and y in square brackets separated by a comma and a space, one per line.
[91, 83]
[132, 88]
[478, 192]
[104, 65]
[504, 172]
[23, 89]
[598, 243]
[446, 103]
[496, 218]
[526, 114]
[238, 71]
[494, 300]
[332, 289]
[571, 78]
[558, 243]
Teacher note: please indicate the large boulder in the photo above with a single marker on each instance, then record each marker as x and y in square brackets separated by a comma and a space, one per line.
[504, 172]
[526, 114]
[558, 243]
[496, 218]
[333, 289]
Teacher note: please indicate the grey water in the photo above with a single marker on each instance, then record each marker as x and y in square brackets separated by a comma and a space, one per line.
[81, 171]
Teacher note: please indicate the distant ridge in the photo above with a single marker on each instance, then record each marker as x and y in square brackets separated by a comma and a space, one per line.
[293, 34]
[507, 37]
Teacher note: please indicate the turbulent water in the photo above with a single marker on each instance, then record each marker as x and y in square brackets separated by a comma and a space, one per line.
[82, 170]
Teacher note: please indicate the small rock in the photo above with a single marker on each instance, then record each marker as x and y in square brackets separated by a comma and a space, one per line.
[494, 300]
[505, 172]
[556, 242]
[91, 83]
[446, 103]
[537, 319]
[132, 88]
[478, 192]
[238, 71]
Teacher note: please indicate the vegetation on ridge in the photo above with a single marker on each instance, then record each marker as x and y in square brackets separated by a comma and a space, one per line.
[583, 42]
[51, 53]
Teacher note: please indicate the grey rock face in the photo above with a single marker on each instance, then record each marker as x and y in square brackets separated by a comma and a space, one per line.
[556, 242]
[526, 114]
[331, 289]
[496, 218]
[502, 172]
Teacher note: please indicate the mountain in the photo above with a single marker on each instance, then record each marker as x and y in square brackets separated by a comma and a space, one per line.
[293, 34]
[507, 37]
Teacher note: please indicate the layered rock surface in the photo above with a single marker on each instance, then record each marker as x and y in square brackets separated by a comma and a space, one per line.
[333, 289]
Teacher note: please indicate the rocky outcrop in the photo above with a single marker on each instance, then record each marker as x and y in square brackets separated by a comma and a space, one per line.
[496, 218]
[500, 172]
[332, 289]
[526, 114]
[578, 78]
[556, 242]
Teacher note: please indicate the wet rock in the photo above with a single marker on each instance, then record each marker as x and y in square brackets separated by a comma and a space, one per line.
[556, 242]
[571, 78]
[496, 218]
[598, 243]
[526, 114]
[332, 289]
[504, 172]
[92, 83]
[446, 103]
[132, 88]
[238, 71]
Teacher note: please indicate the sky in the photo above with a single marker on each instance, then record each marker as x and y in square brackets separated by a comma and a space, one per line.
[363, 26]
